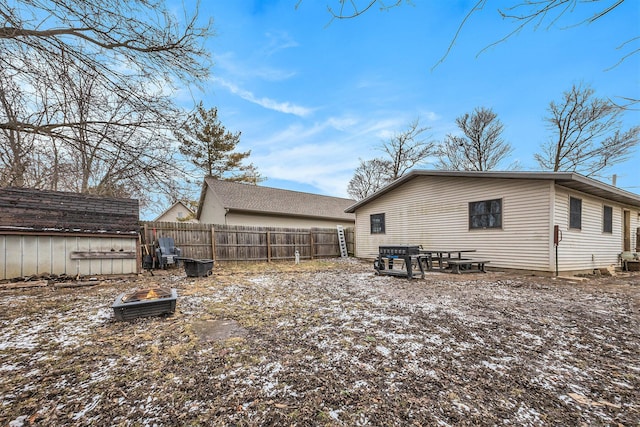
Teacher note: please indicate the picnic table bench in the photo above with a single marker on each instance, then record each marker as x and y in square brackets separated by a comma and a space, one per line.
[462, 265]
[441, 256]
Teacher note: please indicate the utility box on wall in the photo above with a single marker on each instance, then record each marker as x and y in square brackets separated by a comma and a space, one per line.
[51, 232]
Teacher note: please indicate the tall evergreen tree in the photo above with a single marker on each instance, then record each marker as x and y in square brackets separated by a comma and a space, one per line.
[210, 147]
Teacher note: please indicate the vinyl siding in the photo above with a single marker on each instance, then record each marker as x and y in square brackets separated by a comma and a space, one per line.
[433, 212]
[212, 211]
[590, 247]
[177, 213]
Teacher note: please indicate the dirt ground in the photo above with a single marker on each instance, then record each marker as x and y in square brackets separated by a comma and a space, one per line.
[326, 342]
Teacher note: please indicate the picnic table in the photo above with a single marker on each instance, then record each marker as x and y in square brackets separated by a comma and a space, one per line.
[443, 256]
[453, 260]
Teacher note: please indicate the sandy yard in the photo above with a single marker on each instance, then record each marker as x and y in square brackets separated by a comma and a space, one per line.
[326, 342]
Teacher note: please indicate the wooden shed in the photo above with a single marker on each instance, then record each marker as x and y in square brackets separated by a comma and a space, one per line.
[507, 217]
[50, 232]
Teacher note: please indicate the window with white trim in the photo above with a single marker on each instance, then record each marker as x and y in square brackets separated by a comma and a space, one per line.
[607, 219]
[575, 213]
[485, 214]
[377, 223]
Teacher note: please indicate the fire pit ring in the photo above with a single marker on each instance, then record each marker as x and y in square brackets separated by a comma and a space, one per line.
[145, 303]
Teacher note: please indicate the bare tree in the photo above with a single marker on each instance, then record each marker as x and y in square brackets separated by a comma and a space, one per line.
[92, 87]
[369, 177]
[403, 151]
[407, 149]
[351, 8]
[15, 149]
[130, 46]
[479, 148]
[523, 13]
[588, 135]
[544, 13]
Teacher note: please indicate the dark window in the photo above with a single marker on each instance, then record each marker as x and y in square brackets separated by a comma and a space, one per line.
[485, 214]
[377, 223]
[575, 213]
[607, 219]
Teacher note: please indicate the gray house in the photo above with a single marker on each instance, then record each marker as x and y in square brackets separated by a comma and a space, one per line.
[507, 217]
[232, 203]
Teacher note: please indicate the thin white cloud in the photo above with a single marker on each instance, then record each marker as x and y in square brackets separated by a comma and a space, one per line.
[237, 68]
[430, 116]
[279, 40]
[268, 103]
[300, 163]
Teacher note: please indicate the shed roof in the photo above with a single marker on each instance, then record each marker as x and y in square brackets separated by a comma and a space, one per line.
[571, 180]
[236, 196]
[33, 210]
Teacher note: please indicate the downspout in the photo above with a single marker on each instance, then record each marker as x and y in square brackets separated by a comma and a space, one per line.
[553, 248]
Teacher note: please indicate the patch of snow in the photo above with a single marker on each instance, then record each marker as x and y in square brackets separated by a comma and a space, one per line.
[335, 414]
[90, 406]
[102, 315]
[493, 366]
[9, 367]
[434, 339]
[18, 422]
[23, 337]
[528, 416]
[383, 350]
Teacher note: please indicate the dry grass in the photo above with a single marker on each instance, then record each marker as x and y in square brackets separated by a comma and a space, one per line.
[326, 343]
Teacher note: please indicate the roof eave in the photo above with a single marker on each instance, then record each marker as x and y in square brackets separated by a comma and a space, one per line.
[584, 184]
[288, 214]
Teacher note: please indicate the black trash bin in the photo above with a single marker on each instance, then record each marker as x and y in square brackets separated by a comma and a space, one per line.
[197, 267]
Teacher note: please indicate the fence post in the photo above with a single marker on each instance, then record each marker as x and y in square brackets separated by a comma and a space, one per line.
[311, 244]
[268, 246]
[213, 243]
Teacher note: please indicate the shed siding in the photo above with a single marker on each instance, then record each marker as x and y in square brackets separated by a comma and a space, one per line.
[589, 247]
[26, 255]
[433, 211]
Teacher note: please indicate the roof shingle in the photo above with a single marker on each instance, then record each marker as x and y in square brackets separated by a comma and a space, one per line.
[254, 198]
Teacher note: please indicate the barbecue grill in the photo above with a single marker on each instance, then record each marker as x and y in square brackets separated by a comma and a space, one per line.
[407, 254]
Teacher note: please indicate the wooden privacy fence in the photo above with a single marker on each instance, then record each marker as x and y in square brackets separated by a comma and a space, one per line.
[243, 243]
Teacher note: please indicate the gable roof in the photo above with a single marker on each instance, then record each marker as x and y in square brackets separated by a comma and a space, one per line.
[571, 180]
[236, 196]
[178, 203]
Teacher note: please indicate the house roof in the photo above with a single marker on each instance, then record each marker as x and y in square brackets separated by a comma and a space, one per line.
[571, 180]
[236, 196]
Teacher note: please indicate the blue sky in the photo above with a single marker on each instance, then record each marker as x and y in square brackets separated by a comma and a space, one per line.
[312, 97]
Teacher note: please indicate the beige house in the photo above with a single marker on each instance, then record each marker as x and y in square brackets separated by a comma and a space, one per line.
[507, 217]
[178, 212]
[232, 203]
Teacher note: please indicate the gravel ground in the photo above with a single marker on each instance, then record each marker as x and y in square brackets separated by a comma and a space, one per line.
[326, 343]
